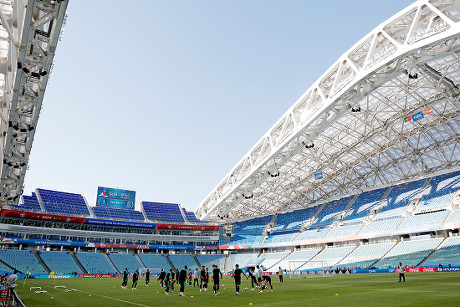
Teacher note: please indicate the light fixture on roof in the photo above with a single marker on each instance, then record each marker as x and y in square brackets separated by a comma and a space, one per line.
[248, 195]
[412, 73]
[308, 144]
[355, 109]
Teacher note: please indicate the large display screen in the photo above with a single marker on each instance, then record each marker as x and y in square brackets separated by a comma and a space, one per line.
[115, 198]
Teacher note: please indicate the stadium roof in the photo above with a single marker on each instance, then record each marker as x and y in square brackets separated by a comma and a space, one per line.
[29, 33]
[386, 111]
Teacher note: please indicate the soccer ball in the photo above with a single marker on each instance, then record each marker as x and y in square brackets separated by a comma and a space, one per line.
[245, 289]
[223, 285]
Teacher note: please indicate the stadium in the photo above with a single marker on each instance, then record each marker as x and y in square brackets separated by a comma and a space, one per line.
[356, 186]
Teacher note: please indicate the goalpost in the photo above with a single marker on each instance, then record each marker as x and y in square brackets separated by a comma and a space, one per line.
[153, 271]
[314, 269]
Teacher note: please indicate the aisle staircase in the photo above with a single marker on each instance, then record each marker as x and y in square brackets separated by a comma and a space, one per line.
[82, 268]
[170, 262]
[226, 263]
[37, 255]
[432, 252]
[196, 260]
[281, 259]
[384, 254]
[111, 263]
[140, 261]
[12, 269]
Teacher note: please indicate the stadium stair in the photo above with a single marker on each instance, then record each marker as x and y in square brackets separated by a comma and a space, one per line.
[169, 261]
[419, 196]
[295, 238]
[448, 216]
[6, 264]
[432, 252]
[403, 221]
[306, 261]
[196, 260]
[37, 255]
[380, 203]
[183, 214]
[111, 263]
[78, 263]
[140, 261]
[90, 210]
[40, 201]
[341, 215]
[263, 239]
[226, 263]
[276, 263]
[330, 229]
[364, 225]
[272, 222]
[384, 255]
[146, 220]
[346, 255]
[452, 206]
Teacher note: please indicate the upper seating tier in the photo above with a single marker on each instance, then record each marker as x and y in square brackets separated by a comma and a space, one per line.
[294, 219]
[330, 211]
[363, 203]
[117, 213]
[29, 203]
[63, 203]
[256, 225]
[163, 212]
[399, 197]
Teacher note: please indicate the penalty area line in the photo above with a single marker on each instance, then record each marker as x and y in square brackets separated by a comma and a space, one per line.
[112, 298]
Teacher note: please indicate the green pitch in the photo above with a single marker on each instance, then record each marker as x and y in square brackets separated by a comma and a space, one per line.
[420, 289]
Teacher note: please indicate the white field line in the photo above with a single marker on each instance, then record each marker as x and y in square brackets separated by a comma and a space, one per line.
[109, 297]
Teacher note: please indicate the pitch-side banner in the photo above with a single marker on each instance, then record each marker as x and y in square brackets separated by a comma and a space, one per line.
[115, 198]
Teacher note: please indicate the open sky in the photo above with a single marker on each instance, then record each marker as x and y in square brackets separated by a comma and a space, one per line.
[165, 97]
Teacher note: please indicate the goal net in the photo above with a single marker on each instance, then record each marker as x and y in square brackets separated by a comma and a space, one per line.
[308, 269]
[153, 271]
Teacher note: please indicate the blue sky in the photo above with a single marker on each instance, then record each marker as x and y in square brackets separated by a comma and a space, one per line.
[165, 97]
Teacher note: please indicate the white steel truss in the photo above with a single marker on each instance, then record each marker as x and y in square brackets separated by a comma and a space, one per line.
[29, 33]
[351, 127]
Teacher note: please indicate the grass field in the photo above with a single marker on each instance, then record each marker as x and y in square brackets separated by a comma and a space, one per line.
[420, 289]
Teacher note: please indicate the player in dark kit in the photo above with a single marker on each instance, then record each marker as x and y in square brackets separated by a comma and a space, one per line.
[266, 279]
[147, 277]
[135, 279]
[162, 277]
[202, 278]
[125, 279]
[189, 275]
[206, 280]
[253, 279]
[172, 278]
[237, 276]
[182, 279]
[216, 273]
[167, 281]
